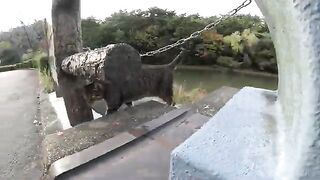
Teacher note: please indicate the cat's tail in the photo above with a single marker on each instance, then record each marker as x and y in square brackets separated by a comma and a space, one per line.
[177, 59]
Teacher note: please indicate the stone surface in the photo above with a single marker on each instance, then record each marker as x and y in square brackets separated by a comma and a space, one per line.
[237, 143]
[149, 157]
[157, 144]
[67, 142]
[146, 159]
[211, 103]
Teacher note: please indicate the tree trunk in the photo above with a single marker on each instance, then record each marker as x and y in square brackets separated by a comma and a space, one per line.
[114, 62]
[66, 24]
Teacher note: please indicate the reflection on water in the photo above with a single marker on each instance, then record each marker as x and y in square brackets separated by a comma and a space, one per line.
[211, 79]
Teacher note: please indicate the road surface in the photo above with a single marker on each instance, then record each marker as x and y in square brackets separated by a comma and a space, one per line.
[19, 137]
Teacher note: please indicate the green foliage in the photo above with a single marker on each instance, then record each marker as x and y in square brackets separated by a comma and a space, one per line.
[237, 41]
[244, 38]
[30, 54]
[234, 40]
[23, 38]
[263, 55]
[44, 64]
[91, 29]
[155, 28]
[249, 38]
[47, 81]
[229, 62]
[34, 56]
[5, 45]
[9, 56]
[240, 23]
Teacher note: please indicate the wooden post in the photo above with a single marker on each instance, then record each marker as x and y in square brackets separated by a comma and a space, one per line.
[66, 22]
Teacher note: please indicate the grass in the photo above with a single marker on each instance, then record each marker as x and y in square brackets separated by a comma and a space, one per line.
[183, 96]
[46, 81]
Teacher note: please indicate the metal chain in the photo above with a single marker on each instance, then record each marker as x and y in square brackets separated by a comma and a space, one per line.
[198, 33]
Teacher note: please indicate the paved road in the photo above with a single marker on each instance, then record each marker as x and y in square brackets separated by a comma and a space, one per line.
[19, 137]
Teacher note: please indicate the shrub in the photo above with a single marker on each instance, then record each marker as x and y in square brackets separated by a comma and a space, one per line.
[9, 56]
[44, 64]
[227, 61]
[182, 96]
[234, 40]
[47, 81]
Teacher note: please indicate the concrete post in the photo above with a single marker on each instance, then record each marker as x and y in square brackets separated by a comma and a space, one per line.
[295, 29]
[264, 135]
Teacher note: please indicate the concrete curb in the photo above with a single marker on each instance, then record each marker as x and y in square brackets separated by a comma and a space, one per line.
[59, 143]
[124, 138]
[85, 135]
[49, 120]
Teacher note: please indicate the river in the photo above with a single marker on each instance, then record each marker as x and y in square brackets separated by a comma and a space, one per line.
[210, 79]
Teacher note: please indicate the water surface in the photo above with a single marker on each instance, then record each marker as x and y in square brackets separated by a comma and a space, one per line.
[211, 80]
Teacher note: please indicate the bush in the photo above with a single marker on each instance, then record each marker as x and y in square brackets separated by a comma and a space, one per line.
[35, 57]
[9, 56]
[44, 64]
[47, 81]
[227, 61]
[182, 96]
[234, 40]
[263, 55]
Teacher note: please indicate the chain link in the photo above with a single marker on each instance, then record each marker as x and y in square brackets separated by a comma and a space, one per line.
[198, 33]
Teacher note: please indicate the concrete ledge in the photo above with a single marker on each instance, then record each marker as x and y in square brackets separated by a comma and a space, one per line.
[211, 103]
[146, 158]
[237, 143]
[60, 144]
[70, 141]
[49, 120]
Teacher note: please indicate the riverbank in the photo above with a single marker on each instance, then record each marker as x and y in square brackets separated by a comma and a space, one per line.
[224, 69]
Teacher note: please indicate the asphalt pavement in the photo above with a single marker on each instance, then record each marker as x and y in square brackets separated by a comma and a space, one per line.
[19, 137]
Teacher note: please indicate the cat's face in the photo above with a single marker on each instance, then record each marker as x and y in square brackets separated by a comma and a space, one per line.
[93, 92]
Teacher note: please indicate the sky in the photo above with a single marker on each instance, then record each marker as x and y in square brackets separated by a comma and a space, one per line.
[14, 11]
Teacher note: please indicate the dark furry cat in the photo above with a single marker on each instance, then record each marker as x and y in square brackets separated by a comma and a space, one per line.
[153, 80]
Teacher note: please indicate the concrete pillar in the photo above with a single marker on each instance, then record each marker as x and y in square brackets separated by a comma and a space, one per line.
[261, 134]
[295, 29]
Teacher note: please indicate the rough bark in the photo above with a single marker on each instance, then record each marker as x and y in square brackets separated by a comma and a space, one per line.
[103, 64]
[52, 63]
[66, 23]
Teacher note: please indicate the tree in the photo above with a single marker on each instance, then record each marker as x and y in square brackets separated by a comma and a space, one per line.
[66, 25]
[240, 23]
[8, 55]
[154, 28]
[91, 31]
[24, 37]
